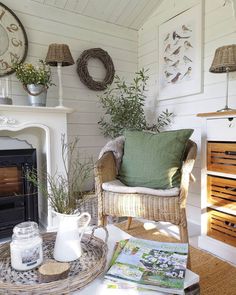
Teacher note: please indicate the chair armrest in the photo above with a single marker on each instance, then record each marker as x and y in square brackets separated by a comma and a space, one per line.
[192, 177]
[105, 168]
[187, 173]
[187, 169]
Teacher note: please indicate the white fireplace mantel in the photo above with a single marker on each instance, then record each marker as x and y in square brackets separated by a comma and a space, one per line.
[42, 127]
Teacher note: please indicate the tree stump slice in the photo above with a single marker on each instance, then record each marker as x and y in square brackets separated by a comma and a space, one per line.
[53, 271]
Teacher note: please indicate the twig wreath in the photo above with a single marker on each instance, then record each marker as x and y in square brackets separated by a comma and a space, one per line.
[82, 68]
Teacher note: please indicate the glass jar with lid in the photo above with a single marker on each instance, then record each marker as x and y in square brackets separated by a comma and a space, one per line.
[26, 246]
[5, 90]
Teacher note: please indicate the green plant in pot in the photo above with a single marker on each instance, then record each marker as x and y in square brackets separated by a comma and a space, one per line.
[36, 79]
[124, 107]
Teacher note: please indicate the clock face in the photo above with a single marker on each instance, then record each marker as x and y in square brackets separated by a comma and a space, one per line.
[13, 41]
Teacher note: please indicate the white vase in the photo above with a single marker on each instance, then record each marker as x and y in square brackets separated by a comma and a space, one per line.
[67, 246]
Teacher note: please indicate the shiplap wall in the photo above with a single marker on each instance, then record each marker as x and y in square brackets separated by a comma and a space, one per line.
[219, 28]
[48, 24]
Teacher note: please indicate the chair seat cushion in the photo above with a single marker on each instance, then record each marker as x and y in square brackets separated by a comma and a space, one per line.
[154, 160]
[116, 186]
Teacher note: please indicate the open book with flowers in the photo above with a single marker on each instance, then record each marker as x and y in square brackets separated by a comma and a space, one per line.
[145, 264]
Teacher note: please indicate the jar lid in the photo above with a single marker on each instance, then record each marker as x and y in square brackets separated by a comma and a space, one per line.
[26, 230]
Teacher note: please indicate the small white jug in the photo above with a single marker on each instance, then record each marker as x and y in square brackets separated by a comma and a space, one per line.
[67, 246]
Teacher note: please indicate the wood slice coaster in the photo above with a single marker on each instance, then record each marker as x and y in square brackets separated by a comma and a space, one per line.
[53, 271]
[82, 271]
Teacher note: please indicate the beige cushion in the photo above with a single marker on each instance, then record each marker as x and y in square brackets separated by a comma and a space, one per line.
[117, 186]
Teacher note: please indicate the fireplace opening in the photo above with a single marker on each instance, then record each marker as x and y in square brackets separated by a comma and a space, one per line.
[18, 197]
[10, 181]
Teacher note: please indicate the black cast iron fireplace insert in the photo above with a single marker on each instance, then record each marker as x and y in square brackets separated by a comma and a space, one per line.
[18, 197]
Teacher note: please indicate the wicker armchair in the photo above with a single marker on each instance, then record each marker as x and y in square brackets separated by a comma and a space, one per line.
[157, 208]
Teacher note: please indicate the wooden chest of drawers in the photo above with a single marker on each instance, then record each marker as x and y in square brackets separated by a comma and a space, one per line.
[222, 226]
[221, 191]
[218, 184]
[221, 157]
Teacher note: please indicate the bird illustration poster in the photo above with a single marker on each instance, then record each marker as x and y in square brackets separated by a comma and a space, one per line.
[180, 46]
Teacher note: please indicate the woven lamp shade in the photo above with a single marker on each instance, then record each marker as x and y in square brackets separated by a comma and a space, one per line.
[59, 53]
[224, 59]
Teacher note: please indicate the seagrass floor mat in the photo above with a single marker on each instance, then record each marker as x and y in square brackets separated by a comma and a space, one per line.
[216, 276]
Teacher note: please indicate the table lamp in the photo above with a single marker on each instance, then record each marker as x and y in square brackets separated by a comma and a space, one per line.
[59, 55]
[224, 62]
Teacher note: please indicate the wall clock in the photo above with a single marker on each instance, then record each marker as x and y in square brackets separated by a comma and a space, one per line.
[13, 40]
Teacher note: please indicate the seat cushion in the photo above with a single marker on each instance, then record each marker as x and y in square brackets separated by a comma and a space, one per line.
[153, 160]
[116, 186]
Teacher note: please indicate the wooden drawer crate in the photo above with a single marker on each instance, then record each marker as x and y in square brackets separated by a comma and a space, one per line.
[222, 226]
[221, 157]
[221, 191]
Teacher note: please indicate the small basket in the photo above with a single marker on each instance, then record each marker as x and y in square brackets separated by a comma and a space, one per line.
[82, 271]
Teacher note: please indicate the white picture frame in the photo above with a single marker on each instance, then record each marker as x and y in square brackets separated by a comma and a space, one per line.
[180, 55]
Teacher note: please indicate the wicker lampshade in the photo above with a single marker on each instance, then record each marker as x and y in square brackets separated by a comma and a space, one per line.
[59, 53]
[224, 59]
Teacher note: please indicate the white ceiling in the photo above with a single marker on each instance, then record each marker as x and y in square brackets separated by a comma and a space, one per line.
[127, 13]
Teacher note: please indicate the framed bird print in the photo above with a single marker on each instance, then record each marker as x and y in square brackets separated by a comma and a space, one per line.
[180, 54]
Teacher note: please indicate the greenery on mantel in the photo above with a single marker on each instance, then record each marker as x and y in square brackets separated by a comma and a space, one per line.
[123, 104]
[28, 73]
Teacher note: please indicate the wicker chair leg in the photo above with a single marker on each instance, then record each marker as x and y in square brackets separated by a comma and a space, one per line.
[183, 230]
[129, 222]
[104, 220]
[189, 261]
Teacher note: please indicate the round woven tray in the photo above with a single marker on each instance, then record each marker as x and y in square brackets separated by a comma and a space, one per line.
[82, 271]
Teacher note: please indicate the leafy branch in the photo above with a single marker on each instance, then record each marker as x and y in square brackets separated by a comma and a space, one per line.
[123, 105]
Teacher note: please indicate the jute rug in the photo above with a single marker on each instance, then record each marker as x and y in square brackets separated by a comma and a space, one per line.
[216, 276]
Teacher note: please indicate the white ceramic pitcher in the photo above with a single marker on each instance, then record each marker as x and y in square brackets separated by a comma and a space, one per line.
[67, 246]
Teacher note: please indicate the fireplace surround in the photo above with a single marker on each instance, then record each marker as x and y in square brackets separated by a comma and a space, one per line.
[18, 197]
[42, 128]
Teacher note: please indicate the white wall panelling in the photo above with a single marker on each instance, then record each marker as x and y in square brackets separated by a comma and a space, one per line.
[219, 29]
[45, 22]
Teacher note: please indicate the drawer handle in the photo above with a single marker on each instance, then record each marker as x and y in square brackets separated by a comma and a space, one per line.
[232, 189]
[230, 153]
[230, 224]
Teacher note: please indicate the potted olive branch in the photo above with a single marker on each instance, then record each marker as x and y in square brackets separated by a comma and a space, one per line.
[123, 105]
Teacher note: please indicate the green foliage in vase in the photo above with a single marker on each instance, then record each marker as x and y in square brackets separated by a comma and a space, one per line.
[123, 104]
[28, 73]
[64, 190]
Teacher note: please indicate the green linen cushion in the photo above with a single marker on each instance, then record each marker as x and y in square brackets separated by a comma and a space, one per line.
[153, 160]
